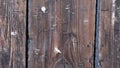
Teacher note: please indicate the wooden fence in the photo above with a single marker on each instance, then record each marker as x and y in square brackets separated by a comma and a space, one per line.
[59, 33]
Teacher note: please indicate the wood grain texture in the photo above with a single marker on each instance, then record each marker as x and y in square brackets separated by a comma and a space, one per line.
[61, 33]
[109, 35]
[12, 33]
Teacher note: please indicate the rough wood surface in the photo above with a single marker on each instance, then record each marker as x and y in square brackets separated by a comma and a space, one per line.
[12, 33]
[61, 33]
[109, 35]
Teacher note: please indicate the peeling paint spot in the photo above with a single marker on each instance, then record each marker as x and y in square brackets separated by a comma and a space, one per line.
[57, 50]
[14, 33]
[43, 9]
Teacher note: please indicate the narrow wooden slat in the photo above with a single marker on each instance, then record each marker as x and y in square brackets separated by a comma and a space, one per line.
[12, 33]
[61, 33]
[109, 35]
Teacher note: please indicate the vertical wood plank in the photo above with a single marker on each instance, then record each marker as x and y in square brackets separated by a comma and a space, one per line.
[12, 33]
[61, 33]
[109, 39]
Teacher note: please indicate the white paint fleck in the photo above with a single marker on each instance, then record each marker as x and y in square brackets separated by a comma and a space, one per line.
[67, 7]
[113, 18]
[57, 50]
[113, 13]
[14, 33]
[37, 51]
[86, 21]
[43, 9]
[54, 25]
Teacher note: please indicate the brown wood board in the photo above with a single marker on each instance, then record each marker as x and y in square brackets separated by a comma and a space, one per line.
[12, 33]
[109, 39]
[61, 33]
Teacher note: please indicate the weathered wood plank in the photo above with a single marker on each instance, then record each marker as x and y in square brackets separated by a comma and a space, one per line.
[61, 33]
[109, 39]
[12, 33]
